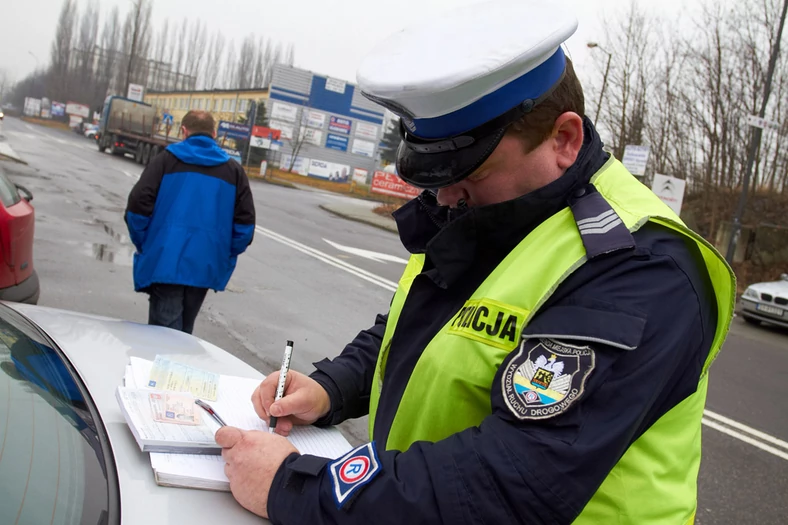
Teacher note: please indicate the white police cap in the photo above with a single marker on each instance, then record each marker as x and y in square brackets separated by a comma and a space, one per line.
[459, 80]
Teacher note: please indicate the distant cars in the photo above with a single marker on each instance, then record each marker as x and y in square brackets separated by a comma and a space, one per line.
[90, 131]
[766, 302]
[18, 279]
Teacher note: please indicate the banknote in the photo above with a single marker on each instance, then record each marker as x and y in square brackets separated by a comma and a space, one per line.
[177, 377]
[175, 408]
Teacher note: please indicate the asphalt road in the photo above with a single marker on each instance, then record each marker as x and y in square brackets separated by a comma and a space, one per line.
[305, 279]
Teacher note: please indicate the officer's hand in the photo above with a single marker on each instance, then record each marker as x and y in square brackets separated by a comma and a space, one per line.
[252, 458]
[303, 402]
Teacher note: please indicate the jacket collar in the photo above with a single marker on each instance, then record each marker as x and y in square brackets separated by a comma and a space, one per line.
[199, 149]
[454, 240]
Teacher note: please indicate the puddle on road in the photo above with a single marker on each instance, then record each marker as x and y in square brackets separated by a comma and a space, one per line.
[118, 236]
[120, 255]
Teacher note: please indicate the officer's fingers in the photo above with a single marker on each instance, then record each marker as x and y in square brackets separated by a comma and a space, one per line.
[228, 437]
[266, 393]
[298, 402]
[284, 426]
[257, 402]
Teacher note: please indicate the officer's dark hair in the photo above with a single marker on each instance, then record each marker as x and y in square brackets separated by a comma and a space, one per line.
[199, 122]
[535, 127]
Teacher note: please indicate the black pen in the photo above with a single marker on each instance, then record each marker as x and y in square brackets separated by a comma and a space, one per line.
[205, 406]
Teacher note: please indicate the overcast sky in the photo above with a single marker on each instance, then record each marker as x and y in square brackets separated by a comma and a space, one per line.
[330, 36]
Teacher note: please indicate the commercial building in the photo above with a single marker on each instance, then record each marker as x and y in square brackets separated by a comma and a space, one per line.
[327, 124]
[313, 125]
[225, 104]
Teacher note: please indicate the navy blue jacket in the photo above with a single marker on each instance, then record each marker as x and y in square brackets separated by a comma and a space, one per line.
[190, 215]
[650, 309]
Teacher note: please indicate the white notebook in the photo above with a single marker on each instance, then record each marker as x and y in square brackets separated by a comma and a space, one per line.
[197, 465]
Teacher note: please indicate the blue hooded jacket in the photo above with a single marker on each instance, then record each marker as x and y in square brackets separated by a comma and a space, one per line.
[190, 215]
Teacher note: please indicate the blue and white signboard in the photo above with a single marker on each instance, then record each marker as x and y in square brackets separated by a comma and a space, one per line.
[337, 142]
[234, 154]
[234, 131]
[339, 125]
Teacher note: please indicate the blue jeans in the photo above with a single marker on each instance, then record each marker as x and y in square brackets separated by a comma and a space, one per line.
[174, 306]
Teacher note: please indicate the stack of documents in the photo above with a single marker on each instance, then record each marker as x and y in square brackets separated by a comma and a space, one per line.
[184, 453]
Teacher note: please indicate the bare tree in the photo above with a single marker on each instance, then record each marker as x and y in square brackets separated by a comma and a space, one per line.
[229, 71]
[110, 58]
[244, 73]
[214, 63]
[86, 52]
[5, 83]
[290, 55]
[179, 57]
[137, 38]
[625, 109]
[259, 63]
[159, 49]
[61, 50]
[196, 49]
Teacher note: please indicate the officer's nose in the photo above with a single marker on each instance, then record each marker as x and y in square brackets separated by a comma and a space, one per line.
[452, 195]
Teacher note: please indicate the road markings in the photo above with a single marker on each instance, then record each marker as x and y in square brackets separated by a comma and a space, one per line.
[130, 175]
[756, 438]
[367, 254]
[328, 259]
[727, 426]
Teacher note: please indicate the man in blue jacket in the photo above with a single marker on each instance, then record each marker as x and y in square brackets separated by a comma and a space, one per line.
[190, 215]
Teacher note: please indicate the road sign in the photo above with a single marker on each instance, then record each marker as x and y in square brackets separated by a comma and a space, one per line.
[136, 92]
[670, 190]
[758, 122]
[635, 159]
[234, 131]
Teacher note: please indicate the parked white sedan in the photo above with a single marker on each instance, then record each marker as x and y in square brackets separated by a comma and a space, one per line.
[66, 453]
[766, 302]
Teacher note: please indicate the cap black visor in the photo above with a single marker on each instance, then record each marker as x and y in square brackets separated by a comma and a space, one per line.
[444, 166]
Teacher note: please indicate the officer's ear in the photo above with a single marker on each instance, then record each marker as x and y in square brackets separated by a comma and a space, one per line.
[567, 138]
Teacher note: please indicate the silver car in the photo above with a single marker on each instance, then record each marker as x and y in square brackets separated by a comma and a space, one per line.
[66, 453]
[766, 302]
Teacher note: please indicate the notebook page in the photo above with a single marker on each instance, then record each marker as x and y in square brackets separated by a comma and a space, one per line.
[190, 466]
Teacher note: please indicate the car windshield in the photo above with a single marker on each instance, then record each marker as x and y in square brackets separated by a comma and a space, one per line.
[53, 448]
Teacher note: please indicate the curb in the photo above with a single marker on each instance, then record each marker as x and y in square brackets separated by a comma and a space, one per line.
[7, 153]
[392, 228]
[275, 182]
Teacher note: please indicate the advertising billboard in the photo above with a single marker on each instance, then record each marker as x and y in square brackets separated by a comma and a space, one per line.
[58, 109]
[282, 111]
[233, 130]
[363, 147]
[390, 184]
[367, 131]
[80, 110]
[314, 119]
[329, 170]
[340, 125]
[337, 142]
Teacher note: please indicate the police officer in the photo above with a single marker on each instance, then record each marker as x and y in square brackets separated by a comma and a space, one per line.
[545, 356]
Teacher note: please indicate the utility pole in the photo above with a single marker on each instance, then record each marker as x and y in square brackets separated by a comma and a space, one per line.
[249, 143]
[592, 45]
[755, 142]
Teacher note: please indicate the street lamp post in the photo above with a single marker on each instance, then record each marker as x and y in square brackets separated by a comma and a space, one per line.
[594, 45]
[36, 59]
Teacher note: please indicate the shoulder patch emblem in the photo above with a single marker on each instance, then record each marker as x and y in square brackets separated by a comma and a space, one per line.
[545, 378]
[352, 471]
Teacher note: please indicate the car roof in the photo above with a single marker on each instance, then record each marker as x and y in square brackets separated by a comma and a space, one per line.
[100, 348]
